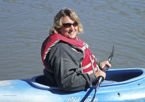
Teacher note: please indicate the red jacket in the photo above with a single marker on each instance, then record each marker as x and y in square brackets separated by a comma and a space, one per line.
[88, 64]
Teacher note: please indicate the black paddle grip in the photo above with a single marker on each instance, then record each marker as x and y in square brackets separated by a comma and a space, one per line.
[101, 78]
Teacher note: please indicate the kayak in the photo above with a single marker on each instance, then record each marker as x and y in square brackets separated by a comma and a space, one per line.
[121, 85]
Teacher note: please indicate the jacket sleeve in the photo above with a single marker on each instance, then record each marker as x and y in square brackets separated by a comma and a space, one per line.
[64, 61]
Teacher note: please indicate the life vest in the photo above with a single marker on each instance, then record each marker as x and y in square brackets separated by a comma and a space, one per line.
[88, 64]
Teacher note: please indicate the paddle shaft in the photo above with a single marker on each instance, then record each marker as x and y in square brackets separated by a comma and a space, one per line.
[101, 78]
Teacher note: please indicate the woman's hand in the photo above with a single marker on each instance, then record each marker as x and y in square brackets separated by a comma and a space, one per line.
[105, 63]
[100, 73]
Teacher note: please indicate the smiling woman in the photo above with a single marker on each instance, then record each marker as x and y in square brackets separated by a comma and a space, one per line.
[69, 28]
[59, 20]
[69, 64]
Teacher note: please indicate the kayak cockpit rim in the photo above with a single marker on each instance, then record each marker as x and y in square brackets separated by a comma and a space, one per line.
[118, 76]
[39, 85]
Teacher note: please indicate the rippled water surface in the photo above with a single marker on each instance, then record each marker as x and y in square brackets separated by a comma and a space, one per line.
[24, 25]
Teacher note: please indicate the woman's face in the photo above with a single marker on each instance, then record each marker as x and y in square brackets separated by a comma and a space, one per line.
[69, 31]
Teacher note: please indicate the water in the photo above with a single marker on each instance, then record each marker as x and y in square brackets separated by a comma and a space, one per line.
[24, 25]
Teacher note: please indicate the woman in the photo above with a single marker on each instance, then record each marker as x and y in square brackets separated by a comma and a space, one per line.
[68, 62]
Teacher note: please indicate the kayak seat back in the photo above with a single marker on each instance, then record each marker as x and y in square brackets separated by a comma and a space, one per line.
[44, 81]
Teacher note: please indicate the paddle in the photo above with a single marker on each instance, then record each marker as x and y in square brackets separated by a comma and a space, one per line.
[100, 78]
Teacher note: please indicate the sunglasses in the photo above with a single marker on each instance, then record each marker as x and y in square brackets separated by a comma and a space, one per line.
[67, 25]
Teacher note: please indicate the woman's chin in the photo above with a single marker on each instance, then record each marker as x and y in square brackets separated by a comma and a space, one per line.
[72, 36]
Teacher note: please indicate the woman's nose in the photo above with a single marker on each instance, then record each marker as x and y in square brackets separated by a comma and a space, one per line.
[72, 27]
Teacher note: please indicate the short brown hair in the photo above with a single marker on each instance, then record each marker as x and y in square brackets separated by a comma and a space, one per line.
[58, 20]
